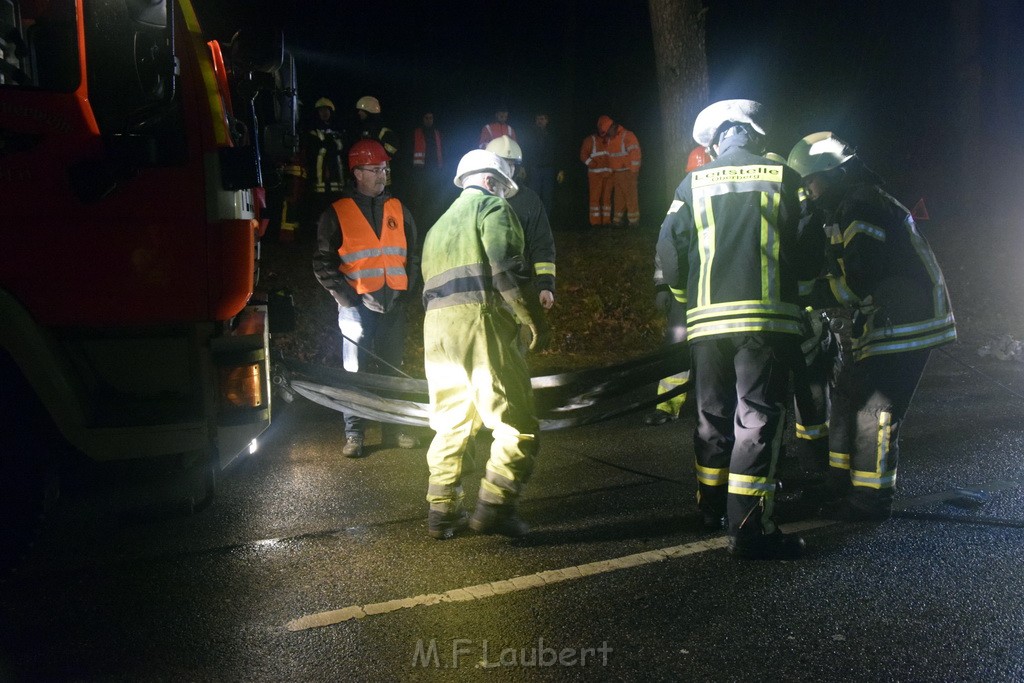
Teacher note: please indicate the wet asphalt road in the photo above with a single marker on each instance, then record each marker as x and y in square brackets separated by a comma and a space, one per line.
[311, 567]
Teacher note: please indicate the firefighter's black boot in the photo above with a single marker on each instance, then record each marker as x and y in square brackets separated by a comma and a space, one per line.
[775, 546]
[444, 525]
[657, 417]
[489, 518]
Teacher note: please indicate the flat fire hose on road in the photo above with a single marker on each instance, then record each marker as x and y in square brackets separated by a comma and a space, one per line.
[564, 400]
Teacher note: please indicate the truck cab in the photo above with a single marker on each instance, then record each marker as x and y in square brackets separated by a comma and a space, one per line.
[130, 165]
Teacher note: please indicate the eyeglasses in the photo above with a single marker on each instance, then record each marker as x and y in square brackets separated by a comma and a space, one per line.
[375, 171]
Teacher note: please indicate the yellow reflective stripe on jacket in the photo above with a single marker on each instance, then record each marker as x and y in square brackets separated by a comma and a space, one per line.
[544, 268]
[744, 316]
[704, 220]
[841, 291]
[770, 288]
[907, 337]
[861, 228]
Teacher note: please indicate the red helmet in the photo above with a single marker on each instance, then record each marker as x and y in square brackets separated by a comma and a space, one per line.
[604, 124]
[366, 152]
[698, 157]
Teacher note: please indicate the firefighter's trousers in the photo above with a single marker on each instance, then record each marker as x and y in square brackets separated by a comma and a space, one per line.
[600, 182]
[811, 375]
[675, 332]
[627, 198]
[371, 342]
[476, 374]
[869, 404]
[740, 389]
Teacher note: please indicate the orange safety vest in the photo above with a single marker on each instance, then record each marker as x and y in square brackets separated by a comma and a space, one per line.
[368, 261]
[594, 154]
[495, 130]
[419, 147]
[624, 151]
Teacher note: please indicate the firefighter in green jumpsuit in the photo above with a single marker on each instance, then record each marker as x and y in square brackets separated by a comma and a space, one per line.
[476, 294]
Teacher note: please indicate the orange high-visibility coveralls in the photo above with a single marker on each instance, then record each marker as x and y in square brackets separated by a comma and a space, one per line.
[624, 160]
[594, 154]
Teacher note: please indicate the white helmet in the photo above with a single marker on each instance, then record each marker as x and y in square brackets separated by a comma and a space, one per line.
[506, 148]
[368, 104]
[714, 115]
[481, 161]
[819, 152]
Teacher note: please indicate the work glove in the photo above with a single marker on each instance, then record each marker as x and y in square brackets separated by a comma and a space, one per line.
[530, 314]
[663, 300]
[540, 336]
[547, 299]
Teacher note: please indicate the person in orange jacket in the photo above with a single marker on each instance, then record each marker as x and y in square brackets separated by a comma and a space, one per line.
[496, 128]
[624, 160]
[594, 155]
[367, 258]
[429, 183]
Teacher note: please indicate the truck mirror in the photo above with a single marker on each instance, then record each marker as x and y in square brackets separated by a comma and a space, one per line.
[257, 50]
[150, 12]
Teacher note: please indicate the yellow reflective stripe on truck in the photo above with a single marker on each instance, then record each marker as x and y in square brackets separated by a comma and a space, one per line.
[205, 60]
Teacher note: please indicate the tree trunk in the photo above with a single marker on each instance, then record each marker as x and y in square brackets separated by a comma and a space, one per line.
[679, 51]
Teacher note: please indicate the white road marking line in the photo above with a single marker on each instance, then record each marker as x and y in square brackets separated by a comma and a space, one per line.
[521, 583]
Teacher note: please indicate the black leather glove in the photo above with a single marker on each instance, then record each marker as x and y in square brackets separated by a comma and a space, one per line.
[663, 300]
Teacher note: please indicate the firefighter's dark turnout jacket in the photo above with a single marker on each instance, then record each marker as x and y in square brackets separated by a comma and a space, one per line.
[729, 248]
[886, 272]
[539, 247]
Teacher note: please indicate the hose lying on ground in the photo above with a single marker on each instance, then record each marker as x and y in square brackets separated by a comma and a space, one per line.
[569, 399]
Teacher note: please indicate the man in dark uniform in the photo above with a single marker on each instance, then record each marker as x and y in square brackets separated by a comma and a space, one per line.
[728, 248]
[887, 274]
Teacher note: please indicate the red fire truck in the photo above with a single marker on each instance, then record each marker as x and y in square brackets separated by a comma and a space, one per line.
[130, 157]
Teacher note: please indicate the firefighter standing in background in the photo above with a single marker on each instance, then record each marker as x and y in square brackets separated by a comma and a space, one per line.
[476, 295]
[539, 249]
[675, 326]
[368, 125]
[496, 128]
[594, 155]
[889, 275]
[325, 175]
[429, 185]
[624, 159]
[293, 177]
[727, 247]
[366, 258]
[543, 171]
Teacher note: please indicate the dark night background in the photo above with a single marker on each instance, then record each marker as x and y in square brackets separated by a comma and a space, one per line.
[886, 76]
